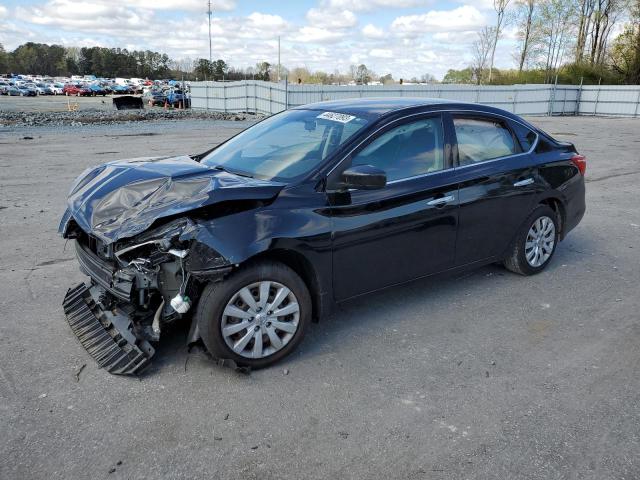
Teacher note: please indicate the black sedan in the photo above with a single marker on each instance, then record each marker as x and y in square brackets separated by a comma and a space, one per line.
[255, 238]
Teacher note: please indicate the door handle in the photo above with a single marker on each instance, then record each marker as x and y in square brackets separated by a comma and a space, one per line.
[524, 183]
[437, 202]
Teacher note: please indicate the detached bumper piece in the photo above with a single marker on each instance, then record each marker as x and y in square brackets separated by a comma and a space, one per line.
[106, 334]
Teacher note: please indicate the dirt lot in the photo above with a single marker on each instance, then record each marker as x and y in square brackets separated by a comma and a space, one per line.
[489, 375]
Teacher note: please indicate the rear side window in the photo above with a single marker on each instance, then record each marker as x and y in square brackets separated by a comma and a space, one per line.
[526, 136]
[480, 140]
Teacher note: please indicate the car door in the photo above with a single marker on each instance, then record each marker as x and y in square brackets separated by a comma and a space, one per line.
[406, 229]
[497, 185]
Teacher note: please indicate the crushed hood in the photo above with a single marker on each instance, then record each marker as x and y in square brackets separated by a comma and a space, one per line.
[123, 198]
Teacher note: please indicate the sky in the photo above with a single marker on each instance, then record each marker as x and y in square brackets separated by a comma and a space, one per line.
[404, 37]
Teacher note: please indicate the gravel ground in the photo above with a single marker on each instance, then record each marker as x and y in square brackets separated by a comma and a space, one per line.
[109, 117]
[53, 111]
[488, 375]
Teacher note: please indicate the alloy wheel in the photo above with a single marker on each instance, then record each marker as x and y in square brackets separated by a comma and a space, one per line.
[540, 241]
[260, 319]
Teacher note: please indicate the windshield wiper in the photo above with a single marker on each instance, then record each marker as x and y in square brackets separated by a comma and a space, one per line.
[233, 172]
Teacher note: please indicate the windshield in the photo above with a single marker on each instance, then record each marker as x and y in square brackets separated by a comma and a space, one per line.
[286, 146]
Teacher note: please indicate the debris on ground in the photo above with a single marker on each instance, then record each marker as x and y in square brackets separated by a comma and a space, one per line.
[108, 117]
[79, 371]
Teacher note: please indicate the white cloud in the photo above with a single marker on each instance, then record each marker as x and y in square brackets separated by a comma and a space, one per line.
[317, 34]
[368, 5]
[381, 53]
[479, 4]
[190, 5]
[3, 11]
[371, 31]
[458, 37]
[262, 20]
[459, 19]
[325, 18]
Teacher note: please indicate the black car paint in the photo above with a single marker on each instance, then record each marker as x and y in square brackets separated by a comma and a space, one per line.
[343, 243]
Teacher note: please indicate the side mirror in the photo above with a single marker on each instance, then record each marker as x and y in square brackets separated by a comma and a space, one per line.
[364, 177]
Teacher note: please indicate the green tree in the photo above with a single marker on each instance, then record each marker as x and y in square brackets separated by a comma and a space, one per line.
[263, 71]
[220, 69]
[362, 75]
[459, 76]
[4, 60]
[203, 69]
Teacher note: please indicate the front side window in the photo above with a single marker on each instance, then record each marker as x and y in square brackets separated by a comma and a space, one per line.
[286, 146]
[480, 140]
[406, 151]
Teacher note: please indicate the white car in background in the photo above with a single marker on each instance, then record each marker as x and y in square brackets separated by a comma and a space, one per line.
[55, 88]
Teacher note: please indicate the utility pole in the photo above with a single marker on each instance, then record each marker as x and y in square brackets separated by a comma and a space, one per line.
[278, 58]
[209, 13]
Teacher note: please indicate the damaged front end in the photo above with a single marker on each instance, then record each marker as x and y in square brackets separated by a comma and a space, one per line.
[137, 288]
[143, 233]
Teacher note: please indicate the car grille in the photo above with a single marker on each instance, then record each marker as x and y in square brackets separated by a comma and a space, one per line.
[104, 342]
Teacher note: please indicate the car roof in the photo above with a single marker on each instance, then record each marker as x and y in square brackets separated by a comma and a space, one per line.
[376, 107]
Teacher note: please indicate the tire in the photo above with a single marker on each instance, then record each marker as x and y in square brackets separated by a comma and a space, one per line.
[522, 258]
[211, 319]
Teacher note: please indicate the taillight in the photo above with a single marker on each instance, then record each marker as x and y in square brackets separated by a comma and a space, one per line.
[580, 161]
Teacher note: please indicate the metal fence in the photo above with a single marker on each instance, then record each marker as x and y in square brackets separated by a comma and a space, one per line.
[266, 97]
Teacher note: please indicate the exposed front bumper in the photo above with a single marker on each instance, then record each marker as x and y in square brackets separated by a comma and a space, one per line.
[104, 273]
[108, 335]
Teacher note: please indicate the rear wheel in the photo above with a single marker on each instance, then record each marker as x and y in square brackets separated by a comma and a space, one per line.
[256, 316]
[536, 242]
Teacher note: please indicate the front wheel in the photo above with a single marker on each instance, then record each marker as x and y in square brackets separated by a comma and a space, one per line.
[256, 316]
[536, 242]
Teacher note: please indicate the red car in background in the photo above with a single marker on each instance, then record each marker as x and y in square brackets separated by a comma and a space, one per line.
[77, 90]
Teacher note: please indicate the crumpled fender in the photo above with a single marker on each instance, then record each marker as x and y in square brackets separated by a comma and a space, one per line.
[124, 198]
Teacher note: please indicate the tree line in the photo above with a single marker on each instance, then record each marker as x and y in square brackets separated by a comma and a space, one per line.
[56, 60]
[568, 39]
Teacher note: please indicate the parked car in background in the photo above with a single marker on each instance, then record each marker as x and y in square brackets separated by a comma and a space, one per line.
[154, 97]
[57, 88]
[27, 91]
[176, 97]
[97, 89]
[118, 89]
[77, 90]
[45, 88]
[34, 87]
[309, 208]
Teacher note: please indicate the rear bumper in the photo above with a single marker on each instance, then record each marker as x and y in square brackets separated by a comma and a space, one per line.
[108, 335]
[575, 206]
